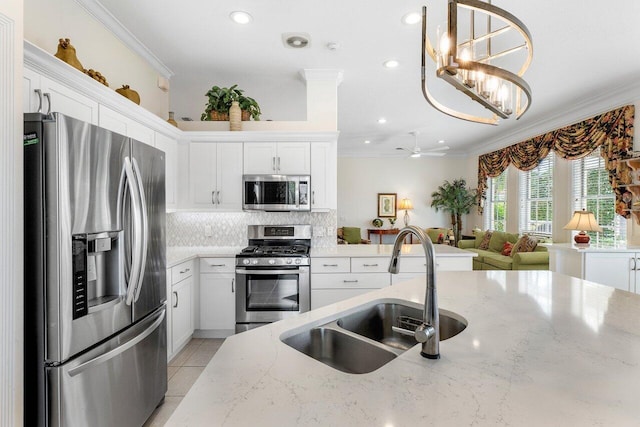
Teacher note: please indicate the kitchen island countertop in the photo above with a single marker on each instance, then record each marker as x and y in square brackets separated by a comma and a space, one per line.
[540, 349]
[356, 251]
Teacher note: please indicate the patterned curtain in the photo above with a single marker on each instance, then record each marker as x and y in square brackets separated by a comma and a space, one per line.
[612, 132]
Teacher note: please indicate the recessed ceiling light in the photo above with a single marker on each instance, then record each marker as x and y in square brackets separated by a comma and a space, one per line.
[367, 142]
[441, 141]
[411, 18]
[391, 63]
[382, 120]
[240, 17]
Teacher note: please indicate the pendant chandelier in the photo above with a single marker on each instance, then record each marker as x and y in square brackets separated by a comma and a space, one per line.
[468, 61]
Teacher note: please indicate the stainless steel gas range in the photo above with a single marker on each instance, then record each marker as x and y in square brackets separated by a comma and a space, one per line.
[272, 275]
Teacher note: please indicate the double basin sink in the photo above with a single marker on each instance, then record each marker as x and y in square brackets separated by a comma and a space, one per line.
[363, 341]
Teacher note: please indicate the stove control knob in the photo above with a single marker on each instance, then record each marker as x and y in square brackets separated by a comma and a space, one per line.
[245, 261]
[254, 261]
[272, 261]
[297, 261]
[289, 260]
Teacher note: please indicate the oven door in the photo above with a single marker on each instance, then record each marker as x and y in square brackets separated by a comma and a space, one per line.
[269, 294]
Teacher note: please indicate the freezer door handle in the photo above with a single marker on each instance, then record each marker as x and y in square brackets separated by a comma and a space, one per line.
[39, 92]
[118, 350]
[145, 227]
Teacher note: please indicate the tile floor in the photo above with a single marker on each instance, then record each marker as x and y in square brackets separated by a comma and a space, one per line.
[182, 372]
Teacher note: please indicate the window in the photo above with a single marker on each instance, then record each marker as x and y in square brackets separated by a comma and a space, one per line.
[495, 217]
[592, 191]
[536, 199]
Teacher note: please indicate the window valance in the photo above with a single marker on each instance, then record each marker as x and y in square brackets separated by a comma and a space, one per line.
[612, 132]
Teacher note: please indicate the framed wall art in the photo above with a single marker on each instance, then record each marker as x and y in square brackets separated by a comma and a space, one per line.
[387, 205]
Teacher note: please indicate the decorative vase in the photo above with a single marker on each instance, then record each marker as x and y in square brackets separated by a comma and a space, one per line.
[171, 120]
[235, 116]
[129, 93]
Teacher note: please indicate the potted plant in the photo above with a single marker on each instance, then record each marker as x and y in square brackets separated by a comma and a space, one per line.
[220, 99]
[456, 199]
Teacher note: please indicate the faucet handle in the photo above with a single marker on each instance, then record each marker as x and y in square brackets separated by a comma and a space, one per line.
[424, 332]
[403, 331]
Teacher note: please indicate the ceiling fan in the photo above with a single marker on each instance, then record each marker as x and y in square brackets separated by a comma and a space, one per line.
[417, 152]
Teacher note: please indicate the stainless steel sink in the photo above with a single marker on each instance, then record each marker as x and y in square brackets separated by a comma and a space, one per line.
[375, 323]
[363, 341]
[339, 350]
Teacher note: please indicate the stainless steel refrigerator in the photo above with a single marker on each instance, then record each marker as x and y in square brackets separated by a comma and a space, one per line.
[95, 327]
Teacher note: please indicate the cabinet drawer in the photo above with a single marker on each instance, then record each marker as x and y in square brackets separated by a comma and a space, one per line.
[322, 297]
[181, 271]
[350, 281]
[370, 265]
[330, 265]
[217, 265]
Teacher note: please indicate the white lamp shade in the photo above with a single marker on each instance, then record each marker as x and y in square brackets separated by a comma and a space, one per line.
[583, 221]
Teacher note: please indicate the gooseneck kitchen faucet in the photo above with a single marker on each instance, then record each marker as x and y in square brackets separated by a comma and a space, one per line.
[428, 333]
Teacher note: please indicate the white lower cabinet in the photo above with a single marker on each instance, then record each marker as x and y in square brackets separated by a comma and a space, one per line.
[217, 299]
[618, 269]
[181, 309]
[413, 267]
[336, 279]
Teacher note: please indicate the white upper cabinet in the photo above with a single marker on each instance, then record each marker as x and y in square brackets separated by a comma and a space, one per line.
[324, 176]
[215, 176]
[116, 122]
[286, 158]
[170, 148]
[42, 93]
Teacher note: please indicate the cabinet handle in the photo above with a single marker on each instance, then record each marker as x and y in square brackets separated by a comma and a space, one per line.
[635, 265]
[218, 197]
[185, 271]
[213, 197]
[350, 281]
[313, 197]
[278, 163]
[369, 265]
[217, 265]
[176, 294]
[273, 163]
[39, 92]
[48, 96]
[233, 282]
[329, 265]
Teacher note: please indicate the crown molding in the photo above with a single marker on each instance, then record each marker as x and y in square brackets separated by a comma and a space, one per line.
[602, 102]
[262, 136]
[99, 12]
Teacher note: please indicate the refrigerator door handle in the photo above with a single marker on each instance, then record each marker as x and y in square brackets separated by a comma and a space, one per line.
[136, 266]
[118, 350]
[39, 92]
[145, 227]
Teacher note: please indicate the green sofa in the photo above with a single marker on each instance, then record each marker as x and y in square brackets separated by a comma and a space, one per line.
[492, 259]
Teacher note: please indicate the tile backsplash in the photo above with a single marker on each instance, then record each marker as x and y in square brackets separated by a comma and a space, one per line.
[230, 228]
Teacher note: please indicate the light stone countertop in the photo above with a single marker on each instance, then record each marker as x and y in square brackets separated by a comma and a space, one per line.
[355, 251]
[593, 247]
[178, 254]
[541, 349]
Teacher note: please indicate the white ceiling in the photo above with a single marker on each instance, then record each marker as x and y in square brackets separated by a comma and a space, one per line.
[585, 60]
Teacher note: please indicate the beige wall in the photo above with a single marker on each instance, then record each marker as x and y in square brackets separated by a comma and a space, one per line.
[361, 179]
[47, 21]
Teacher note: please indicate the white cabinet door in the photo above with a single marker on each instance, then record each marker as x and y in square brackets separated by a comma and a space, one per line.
[59, 98]
[202, 175]
[322, 297]
[31, 100]
[119, 123]
[229, 176]
[217, 301]
[169, 316]
[260, 158]
[612, 269]
[294, 158]
[323, 176]
[170, 148]
[181, 312]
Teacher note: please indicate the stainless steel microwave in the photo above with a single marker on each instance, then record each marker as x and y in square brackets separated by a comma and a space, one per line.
[276, 193]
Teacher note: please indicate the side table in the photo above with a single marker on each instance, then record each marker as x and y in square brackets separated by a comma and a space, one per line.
[382, 231]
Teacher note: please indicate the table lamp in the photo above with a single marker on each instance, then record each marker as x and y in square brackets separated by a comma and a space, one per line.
[407, 206]
[583, 221]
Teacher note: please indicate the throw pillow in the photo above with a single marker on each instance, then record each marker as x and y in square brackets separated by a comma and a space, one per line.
[484, 243]
[351, 235]
[525, 243]
[506, 249]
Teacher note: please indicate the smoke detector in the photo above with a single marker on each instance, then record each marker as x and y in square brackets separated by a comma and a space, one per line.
[296, 40]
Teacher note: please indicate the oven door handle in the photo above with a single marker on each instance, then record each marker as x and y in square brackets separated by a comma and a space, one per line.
[269, 272]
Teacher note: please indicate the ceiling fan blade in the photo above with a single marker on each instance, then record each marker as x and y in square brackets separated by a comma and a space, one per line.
[443, 148]
[432, 154]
